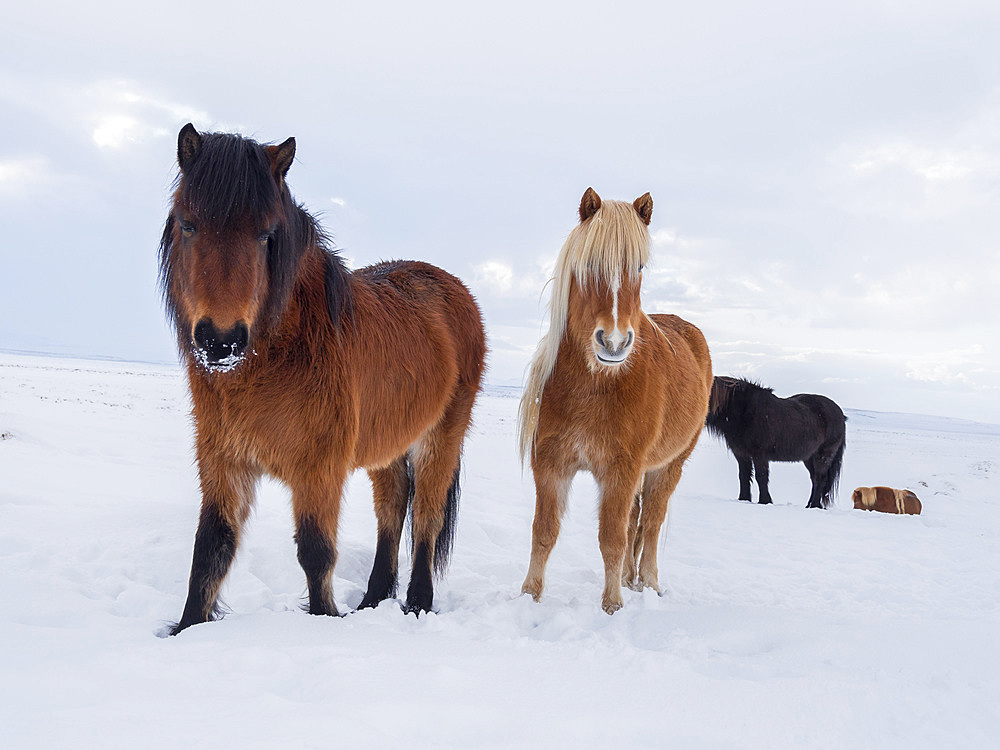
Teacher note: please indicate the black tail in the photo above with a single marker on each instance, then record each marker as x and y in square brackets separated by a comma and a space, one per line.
[446, 538]
[832, 483]
[445, 541]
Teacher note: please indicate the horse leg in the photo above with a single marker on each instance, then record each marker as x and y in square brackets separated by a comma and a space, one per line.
[316, 506]
[820, 465]
[391, 488]
[630, 569]
[436, 459]
[618, 488]
[553, 475]
[227, 496]
[746, 473]
[658, 489]
[760, 469]
[814, 480]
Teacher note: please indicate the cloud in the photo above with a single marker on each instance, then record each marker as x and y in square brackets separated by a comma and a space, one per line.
[121, 114]
[934, 165]
[498, 278]
[920, 178]
[114, 130]
[24, 175]
[112, 114]
[969, 366]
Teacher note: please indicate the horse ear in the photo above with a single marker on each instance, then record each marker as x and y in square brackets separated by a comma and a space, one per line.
[281, 158]
[644, 207]
[188, 146]
[589, 204]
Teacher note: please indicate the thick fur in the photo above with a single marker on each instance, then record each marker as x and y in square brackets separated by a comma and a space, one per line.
[631, 424]
[886, 500]
[759, 427]
[375, 369]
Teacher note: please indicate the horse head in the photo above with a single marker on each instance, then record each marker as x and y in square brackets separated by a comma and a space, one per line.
[604, 271]
[227, 223]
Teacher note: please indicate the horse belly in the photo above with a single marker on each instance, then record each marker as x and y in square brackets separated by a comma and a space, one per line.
[794, 439]
[394, 420]
[407, 391]
[670, 444]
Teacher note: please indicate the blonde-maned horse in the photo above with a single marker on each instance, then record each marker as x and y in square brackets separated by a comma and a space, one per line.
[613, 391]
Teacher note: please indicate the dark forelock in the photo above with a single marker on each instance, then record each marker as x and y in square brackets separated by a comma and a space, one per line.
[228, 180]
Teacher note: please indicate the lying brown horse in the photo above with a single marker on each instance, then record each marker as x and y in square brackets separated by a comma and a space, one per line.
[304, 371]
[886, 500]
[613, 391]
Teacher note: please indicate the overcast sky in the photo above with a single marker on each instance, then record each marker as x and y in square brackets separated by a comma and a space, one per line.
[825, 176]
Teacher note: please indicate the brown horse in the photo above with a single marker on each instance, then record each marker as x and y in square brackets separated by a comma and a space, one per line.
[886, 500]
[613, 391]
[304, 371]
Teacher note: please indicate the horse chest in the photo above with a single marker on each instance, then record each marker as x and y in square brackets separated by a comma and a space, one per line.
[595, 432]
[276, 425]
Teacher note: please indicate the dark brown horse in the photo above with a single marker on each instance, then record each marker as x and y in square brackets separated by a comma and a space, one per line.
[305, 371]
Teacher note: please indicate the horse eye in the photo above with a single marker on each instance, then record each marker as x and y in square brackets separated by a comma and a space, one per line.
[187, 229]
[265, 238]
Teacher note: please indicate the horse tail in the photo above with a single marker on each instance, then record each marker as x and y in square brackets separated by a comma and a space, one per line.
[832, 482]
[445, 542]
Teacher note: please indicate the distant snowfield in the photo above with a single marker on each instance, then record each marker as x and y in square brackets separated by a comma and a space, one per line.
[778, 626]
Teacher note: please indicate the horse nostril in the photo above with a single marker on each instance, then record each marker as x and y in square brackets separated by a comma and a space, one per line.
[217, 346]
[599, 335]
[205, 335]
[239, 338]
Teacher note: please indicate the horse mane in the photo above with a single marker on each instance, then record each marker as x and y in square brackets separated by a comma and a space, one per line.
[228, 179]
[614, 238]
[725, 401]
[231, 179]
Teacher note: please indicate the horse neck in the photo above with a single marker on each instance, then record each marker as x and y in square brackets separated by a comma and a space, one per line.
[306, 315]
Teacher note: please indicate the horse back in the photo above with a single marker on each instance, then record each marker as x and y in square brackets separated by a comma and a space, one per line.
[418, 341]
[826, 409]
[674, 326]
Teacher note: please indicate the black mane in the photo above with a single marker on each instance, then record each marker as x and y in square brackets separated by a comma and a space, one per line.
[727, 403]
[231, 180]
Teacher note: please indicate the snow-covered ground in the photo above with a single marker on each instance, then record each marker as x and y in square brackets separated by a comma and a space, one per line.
[778, 626]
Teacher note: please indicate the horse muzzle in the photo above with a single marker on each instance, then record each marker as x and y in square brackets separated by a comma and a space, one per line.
[220, 350]
[611, 350]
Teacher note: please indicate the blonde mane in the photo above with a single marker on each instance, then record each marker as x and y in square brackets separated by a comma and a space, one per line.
[614, 239]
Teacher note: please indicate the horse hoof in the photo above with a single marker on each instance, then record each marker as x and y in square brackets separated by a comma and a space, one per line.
[611, 607]
[416, 610]
[647, 582]
[533, 589]
[418, 604]
[371, 601]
